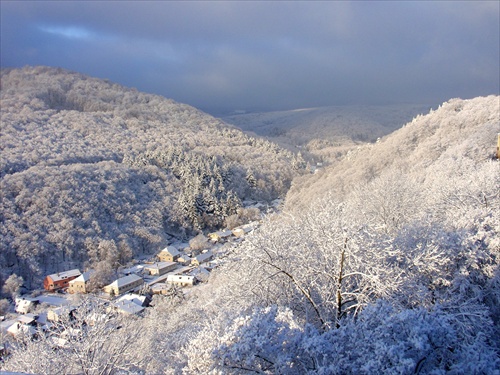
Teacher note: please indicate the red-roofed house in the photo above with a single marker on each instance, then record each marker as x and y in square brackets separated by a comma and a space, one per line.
[60, 280]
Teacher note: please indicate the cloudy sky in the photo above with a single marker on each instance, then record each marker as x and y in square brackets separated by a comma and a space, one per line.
[233, 55]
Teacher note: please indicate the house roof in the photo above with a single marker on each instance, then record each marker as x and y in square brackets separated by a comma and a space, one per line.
[160, 265]
[64, 275]
[135, 298]
[170, 250]
[26, 319]
[128, 307]
[204, 256]
[53, 300]
[84, 277]
[126, 280]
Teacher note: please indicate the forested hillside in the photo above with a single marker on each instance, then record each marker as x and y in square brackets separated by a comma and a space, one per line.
[391, 266]
[85, 162]
[458, 133]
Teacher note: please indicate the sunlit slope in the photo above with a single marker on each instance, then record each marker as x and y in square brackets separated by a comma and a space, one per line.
[458, 128]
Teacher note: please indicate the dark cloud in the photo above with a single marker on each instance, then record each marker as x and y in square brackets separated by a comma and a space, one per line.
[221, 56]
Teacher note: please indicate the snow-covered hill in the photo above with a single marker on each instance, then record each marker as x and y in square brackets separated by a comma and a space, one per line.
[387, 262]
[325, 131]
[457, 129]
[84, 161]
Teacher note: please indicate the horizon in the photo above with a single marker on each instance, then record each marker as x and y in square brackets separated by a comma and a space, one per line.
[227, 57]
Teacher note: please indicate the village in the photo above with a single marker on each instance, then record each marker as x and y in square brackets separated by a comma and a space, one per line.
[175, 267]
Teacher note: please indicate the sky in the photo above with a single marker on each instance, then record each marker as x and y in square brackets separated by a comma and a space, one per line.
[225, 56]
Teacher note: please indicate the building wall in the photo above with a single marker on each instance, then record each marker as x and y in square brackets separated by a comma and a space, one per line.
[165, 257]
[122, 289]
[77, 287]
[51, 285]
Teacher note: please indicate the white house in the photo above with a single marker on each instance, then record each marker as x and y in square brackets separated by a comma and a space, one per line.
[182, 280]
[24, 305]
[131, 304]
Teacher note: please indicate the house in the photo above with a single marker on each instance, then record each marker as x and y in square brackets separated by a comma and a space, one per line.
[24, 325]
[128, 307]
[123, 284]
[169, 254]
[80, 284]
[137, 269]
[25, 304]
[60, 280]
[184, 259]
[18, 329]
[160, 288]
[160, 268]
[201, 274]
[220, 235]
[202, 258]
[182, 280]
[138, 299]
[131, 303]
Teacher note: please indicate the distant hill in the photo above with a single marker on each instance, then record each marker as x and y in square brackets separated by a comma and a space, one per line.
[85, 160]
[325, 132]
[457, 129]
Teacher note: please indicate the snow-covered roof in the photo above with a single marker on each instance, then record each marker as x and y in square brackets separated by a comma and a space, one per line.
[84, 277]
[134, 269]
[204, 256]
[128, 307]
[135, 298]
[160, 265]
[53, 300]
[171, 250]
[27, 319]
[64, 275]
[126, 280]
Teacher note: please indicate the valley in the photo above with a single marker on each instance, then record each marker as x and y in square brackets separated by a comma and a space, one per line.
[374, 248]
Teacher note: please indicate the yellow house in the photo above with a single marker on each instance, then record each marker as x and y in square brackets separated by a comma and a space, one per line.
[123, 284]
[169, 254]
[202, 258]
[160, 268]
[80, 284]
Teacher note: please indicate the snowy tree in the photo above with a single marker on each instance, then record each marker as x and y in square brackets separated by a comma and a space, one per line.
[12, 285]
[90, 340]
